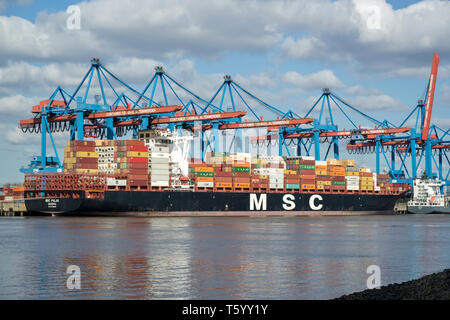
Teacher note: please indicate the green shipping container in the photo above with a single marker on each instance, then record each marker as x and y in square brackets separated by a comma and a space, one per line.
[205, 174]
[292, 186]
[339, 183]
[241, 169]
[307, 167]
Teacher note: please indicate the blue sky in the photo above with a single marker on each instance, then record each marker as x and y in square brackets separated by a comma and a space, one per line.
[284, 52]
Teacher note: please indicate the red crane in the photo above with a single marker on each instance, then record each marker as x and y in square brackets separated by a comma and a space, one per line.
[430, 97]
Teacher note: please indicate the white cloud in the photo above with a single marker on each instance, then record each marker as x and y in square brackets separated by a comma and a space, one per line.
[15, 106]
[402, 39]
[316, 80]
[376, 102]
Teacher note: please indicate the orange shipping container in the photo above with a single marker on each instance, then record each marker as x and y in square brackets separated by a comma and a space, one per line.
[204, 169]
[204, 179]
[224, 184]
[242, 185]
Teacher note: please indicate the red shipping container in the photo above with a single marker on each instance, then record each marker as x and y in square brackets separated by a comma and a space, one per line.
[137, 165]
[241, 174]
[241, 180]
[223, 179]
[137, 177]
[291, 181]
[307, 181]
[137, 148]
[138, 171]
[83, 149]
[308, 177]
[133, 143]
[138, 182]
[85, 166]
[365, 174]
[74, 143]
[292, 176]
[137, 159]
[223, 174]
[86, 160]
[307, 172]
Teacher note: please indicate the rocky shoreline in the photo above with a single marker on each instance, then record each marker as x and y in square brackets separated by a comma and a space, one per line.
[435, 286]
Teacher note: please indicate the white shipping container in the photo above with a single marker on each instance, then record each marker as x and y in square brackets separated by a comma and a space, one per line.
[159, 150]
[116, 182]
[158, 155]
[276, 185]
[352, 188]
[321, 163]
[159, 176]
[159, 183]
[9, 198]
[205, 184]
[159, 166]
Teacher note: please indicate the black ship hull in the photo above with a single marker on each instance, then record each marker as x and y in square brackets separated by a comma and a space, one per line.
[183, 203]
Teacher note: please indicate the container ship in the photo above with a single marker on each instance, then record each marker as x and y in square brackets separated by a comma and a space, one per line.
[153, 176]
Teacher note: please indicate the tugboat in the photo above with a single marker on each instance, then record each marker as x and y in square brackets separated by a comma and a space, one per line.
[427, 197]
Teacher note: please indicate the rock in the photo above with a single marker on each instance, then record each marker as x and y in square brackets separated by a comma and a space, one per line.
[435, 286]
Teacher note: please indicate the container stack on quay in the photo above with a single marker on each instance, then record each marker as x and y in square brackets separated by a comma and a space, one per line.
[10, 193]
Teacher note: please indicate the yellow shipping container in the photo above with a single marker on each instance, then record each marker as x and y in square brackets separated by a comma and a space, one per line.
[348, 163]
[323, 183]
[98, 143]
[322, 168]
[263, 176]
[333, 162]
[308, 186]
[352, 173]
[137, 154]
[85, 154]
[95, 171]
[321, 172]
[290, 172]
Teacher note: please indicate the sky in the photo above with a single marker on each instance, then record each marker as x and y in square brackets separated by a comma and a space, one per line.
[374, 54]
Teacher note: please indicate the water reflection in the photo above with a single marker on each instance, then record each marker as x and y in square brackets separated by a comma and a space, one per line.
[216, 258]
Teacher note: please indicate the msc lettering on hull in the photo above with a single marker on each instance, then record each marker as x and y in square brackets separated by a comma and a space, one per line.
[258, 202]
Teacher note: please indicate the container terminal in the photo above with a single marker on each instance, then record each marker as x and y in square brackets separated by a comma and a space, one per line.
[129, 154]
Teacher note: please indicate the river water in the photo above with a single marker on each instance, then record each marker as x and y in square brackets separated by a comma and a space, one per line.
[216, 258]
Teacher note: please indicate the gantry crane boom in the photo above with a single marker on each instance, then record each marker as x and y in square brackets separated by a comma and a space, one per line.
[103, 115]
[370, 133]
[274, 123]
[202, 117]
[430, 97]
